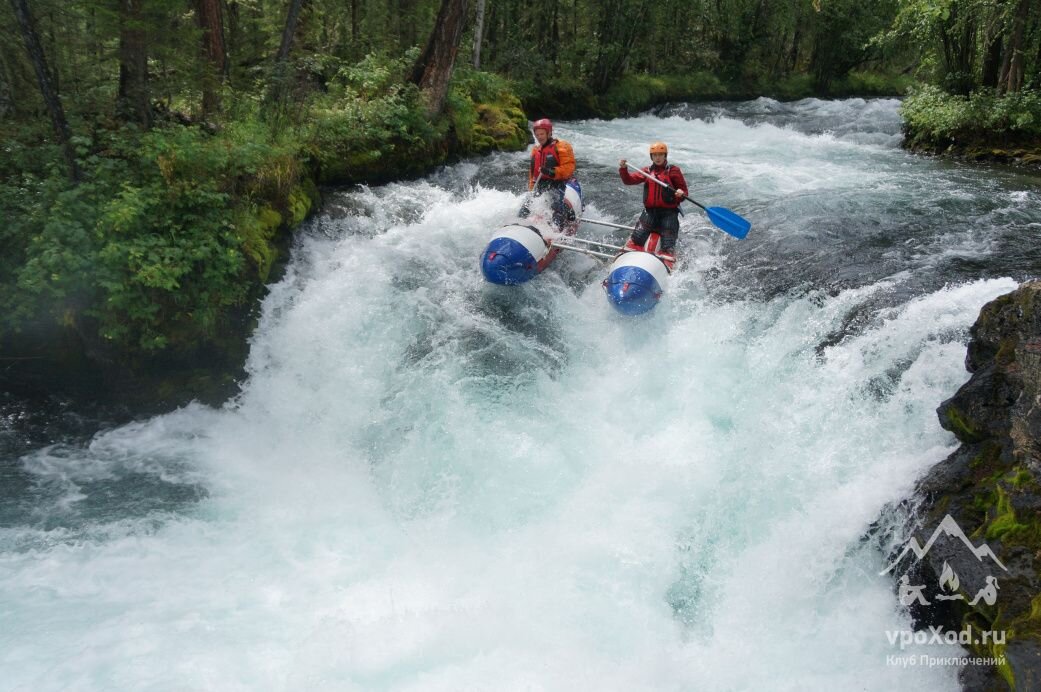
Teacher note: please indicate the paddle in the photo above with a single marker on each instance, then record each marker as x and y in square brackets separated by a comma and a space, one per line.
[535, 185]
[525, 210]
[724, 219]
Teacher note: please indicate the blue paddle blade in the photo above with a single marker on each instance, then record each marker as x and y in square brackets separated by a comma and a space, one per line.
[728, 221]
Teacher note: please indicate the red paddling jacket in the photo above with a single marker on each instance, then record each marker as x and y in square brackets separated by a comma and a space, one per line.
[654, 196]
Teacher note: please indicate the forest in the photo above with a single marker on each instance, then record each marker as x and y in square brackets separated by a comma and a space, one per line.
[155, 152]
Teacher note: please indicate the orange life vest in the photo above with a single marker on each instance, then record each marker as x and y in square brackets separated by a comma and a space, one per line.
[563, 156]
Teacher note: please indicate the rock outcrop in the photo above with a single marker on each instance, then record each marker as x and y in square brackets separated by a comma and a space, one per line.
[991, 487]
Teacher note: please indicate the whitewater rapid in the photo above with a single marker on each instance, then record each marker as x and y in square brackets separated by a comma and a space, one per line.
[428, 482]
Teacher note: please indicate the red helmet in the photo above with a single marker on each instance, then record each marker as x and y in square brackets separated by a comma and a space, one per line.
[544, 124]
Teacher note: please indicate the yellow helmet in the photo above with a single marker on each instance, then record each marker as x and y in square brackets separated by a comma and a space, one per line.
[659, 148]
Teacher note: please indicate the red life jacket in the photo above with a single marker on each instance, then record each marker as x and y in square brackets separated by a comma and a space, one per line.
[654, 195]
[539, 155]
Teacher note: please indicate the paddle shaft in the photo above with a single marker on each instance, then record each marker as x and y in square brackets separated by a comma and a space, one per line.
[666, 186]
[723, 219]
[539, 176]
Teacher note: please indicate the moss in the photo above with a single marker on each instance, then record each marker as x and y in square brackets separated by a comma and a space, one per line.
[997, 651]
[1020, 478]
[256, 228]
[1006, 526]
[1006, 354]
[638, 92]
[1026, 626]
[500, 126]
[1029, 624]
[1004, 522]
[485, 114]
[299, 205]
[796, 86]
[961, 426]
[987, 460]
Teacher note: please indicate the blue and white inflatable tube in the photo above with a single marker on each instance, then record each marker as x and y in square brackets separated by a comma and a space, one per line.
[636, 282]
[514, 255]
[519, 251]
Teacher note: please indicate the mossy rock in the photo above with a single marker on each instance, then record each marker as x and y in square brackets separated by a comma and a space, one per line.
[1004, 525]
[256, 228]
[958, 423]
[500, 127]
[299, 204]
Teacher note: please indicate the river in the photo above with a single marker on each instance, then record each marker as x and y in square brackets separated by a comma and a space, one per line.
[428, 482]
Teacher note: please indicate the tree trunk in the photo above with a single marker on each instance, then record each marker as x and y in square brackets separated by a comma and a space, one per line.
[1011, 79]
[493, 20]
[478, 34]
[992, 61]
[234, 40]
[793, 53]
[208, 15]
[43, 80]
[406, 23]
[280, 79]
[554, 45]
[620, 25]
[133, 101]
[433, 69]
[289, 31]
[354, 22]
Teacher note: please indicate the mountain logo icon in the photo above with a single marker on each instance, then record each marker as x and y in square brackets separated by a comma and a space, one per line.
[950, 528]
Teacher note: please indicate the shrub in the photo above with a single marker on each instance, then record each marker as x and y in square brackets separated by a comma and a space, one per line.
[934, 117]
[154, 248]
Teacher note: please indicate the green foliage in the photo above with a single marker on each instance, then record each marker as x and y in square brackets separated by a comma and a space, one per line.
[638, 92]
[485, 113]
[257, 228]
[177, 227]
[153, 251]
[353, 138]
[842, 31]
[630, 94]
[559, 97]
[934, 117]
[966, 45]
[791, 88]
[372, 126]
[861, 83]
[369, 124]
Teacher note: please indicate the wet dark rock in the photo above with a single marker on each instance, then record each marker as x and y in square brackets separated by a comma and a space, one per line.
[991, 487]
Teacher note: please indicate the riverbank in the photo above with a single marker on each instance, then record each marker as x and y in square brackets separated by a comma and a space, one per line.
[980, 127]
[636, 93]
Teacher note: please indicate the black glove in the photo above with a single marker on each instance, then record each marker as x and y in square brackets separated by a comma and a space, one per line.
[669, 195]
[548, 171]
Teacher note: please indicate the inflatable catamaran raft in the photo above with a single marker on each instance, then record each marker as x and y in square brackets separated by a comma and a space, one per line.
[637, 277]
